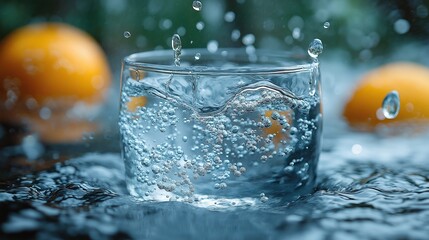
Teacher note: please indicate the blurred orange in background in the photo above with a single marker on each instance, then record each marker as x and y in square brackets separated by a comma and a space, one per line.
[410, 80]
[53, 78]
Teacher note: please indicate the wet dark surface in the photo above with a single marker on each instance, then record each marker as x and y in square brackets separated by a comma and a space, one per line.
[369, 187]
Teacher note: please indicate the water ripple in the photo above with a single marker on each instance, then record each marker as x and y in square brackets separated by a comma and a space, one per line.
[366, 196]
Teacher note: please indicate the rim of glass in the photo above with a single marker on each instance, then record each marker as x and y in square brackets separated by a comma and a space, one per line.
[137, 60]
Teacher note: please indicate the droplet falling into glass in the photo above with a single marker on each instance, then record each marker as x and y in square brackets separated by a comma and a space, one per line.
[391, 105]
[248, 39]
[176, 45]
[315, 48]
[197, 5]
[127, 34]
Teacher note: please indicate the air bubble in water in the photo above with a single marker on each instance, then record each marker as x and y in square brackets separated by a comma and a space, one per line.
[391, 105]
[127, 34]
[326, 25]
[197, 56]
[197, 5]
[176, 45]
[315, 48]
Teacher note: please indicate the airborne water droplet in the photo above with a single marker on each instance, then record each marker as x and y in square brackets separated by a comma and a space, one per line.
[197, 56]
[326, 25]
[391, 105]
[176, 45]
[197, 5]
[315, 48]
[127, 34]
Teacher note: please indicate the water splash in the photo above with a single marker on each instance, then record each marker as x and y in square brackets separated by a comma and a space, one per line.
[391, 105]
[197, 5]
[315, 48]
[176, 45]
[127, 34]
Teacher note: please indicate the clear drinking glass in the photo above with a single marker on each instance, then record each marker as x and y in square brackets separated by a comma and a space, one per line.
[222, 129]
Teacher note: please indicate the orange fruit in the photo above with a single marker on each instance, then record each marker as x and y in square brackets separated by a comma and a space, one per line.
[136, 102]
[50, 65]
[410, 80]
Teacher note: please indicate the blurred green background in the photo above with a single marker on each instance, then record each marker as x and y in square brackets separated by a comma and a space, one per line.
[358, 31]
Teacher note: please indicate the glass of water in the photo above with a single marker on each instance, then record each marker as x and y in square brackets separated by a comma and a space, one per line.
[222, 129]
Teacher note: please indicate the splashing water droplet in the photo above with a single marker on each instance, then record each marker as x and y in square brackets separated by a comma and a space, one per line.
[176, 45]
[391, 105]
[315, 48]
[197, 5]
[326, 25]
[127, 34]
[197, 56]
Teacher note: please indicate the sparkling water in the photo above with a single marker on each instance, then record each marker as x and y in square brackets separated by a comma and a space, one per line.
[220, 139]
